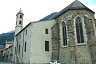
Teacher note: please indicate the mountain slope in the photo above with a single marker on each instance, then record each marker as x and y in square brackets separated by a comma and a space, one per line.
[48, 16]
[6, 36]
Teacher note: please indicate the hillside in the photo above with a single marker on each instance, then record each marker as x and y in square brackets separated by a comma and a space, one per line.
[6, 36]
[48, 16]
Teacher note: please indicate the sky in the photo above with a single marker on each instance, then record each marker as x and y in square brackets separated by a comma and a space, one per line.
[33, 10]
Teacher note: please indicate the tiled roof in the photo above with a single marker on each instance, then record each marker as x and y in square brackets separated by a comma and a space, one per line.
[76, 5]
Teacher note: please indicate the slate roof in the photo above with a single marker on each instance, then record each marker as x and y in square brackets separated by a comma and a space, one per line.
[76, 5]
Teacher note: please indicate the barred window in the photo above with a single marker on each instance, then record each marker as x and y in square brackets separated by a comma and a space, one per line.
[46, 31]
[64, 34]
[79, 30]
[15, 50]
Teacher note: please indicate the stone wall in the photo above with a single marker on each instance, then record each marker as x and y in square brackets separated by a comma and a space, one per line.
[74, 53]
[91, 41]
[55, 42]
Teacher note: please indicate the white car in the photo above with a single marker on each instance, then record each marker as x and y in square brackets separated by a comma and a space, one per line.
[55, 62]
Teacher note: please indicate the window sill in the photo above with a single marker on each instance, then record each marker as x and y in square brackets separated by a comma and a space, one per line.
[65, 46]
[81, 44]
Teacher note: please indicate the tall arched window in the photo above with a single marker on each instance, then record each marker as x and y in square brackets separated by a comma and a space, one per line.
[64, 34]
[79, 30]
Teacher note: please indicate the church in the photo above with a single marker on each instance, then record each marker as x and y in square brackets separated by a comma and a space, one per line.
[68, 37]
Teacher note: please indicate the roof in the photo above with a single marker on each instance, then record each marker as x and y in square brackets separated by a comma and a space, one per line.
[76, 5]
[20, 12]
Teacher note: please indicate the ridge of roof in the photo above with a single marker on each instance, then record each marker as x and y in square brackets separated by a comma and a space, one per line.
[76, 5]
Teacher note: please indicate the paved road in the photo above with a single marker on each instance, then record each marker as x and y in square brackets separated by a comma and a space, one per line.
[5, 63]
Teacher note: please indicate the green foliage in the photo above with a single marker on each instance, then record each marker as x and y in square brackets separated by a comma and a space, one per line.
[6, 36]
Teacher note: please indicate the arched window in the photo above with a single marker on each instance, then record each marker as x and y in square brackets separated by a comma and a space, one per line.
[20, 16]
[64, 34]
[20, 22]
[79, 30]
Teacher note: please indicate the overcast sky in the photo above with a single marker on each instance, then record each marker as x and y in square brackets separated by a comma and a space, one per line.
[33, 10]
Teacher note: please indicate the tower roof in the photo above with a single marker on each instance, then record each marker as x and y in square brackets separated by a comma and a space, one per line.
[20, 12]
[76, 5]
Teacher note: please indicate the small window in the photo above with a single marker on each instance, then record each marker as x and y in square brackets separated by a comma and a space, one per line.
[19, 48]
[22, 49]
[16, 39]
[20, 16]
[20, 22]
[25, 47]
[46, 31]
[17, 45]
[15, 50]
[26, 32]
[46, 45]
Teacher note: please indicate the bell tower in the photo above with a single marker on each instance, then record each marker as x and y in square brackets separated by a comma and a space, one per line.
[19, 21]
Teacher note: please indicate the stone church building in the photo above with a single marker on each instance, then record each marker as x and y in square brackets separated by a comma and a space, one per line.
[68, 37]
